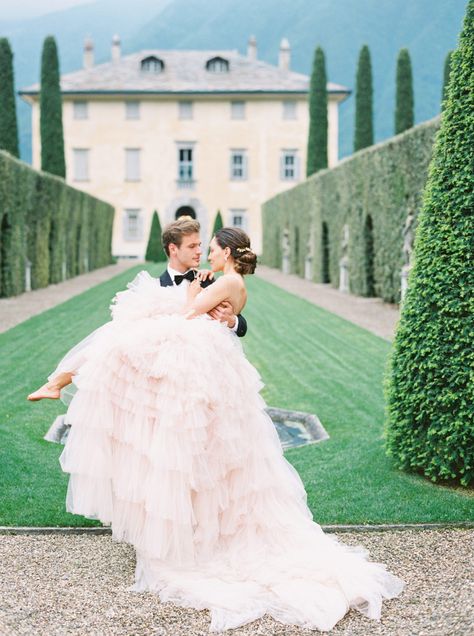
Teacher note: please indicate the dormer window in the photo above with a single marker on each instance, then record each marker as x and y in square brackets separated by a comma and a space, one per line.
[152, 64]
[217, 65]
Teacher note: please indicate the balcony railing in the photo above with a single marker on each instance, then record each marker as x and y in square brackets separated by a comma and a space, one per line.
[186, 184]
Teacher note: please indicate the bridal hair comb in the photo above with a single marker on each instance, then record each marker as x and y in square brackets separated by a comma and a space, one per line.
[244, 249]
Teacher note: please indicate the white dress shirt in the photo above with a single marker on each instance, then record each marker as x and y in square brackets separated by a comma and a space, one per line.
[182, 290]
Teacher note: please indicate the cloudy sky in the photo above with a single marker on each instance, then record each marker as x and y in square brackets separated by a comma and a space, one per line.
[22, 9]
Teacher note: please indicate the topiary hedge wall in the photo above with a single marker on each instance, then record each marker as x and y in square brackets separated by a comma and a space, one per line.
[430, 379]
[372, 192]
[61, 231]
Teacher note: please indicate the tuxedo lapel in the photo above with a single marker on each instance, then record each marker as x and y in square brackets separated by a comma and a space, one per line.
[165, 279]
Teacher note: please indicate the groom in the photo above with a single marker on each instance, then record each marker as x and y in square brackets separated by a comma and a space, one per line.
[182, 245]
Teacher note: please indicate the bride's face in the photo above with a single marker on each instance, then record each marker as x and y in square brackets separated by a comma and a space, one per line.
[216, 256]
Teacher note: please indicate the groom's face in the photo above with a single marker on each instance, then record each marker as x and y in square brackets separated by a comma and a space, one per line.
[188, 254]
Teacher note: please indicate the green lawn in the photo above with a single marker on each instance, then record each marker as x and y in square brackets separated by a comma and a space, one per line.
[309, 359]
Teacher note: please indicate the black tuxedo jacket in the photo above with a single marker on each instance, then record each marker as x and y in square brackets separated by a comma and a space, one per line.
[165, 281]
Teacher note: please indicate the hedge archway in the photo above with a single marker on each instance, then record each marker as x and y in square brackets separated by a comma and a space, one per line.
[369, 255]
[5, 250]
[325, 255]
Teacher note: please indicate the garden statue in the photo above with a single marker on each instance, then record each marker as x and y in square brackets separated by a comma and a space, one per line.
[28, 275]
[408, 236]
[308, 264]
[344, 261]
[286, 251]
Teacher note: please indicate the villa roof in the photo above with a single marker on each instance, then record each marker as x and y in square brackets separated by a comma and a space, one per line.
[185, 72]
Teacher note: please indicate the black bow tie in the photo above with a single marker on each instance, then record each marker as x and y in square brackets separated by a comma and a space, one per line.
[191, 275]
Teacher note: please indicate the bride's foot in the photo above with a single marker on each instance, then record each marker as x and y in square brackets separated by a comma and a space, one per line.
[52, 389]
[46, 391]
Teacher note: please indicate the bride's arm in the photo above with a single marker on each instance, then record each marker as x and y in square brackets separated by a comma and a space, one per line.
[200, 301]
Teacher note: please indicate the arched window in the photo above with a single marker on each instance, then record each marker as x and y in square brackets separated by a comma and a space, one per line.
[369, 256]
[296, 244]
[52, 246]
[217, 65]
[77, 260]
[325, 274]
[185, 210]
[5, 256]
[152, 64]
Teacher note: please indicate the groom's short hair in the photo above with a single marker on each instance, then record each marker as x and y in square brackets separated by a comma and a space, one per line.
[175, 232]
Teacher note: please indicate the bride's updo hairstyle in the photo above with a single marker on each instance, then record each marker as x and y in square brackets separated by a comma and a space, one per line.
[239, 244]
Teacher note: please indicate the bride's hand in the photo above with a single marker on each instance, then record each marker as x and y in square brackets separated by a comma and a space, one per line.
[205, 274]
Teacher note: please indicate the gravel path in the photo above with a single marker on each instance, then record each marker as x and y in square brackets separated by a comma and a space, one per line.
[19, 308]
[55, 585]
[370, 313]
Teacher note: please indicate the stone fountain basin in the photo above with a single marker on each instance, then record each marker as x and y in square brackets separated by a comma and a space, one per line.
[296, 428]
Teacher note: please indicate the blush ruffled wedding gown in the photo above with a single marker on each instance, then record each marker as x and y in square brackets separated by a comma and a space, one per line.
[170, 444]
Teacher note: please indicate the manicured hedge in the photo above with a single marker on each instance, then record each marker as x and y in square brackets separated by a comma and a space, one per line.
[61, 231]
[430, 388]
[218, 223]
[384, 182]
[155, 252]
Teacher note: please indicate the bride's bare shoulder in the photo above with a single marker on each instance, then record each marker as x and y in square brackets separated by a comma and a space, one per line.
[233, 281]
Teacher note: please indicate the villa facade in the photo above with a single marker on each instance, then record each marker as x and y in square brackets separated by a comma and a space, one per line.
[185, 132]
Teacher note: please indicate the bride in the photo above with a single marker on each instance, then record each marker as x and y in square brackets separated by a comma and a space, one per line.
[170, 445]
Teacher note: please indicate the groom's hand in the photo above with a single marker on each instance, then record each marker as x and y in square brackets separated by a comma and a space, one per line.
[224, 313]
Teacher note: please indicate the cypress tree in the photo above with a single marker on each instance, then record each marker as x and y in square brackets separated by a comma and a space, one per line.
[8, 123]
[447, 70]
[404, 108]
[430, 390]
[51, 121]
[317, 157]
[364, 129]
[154, 250]
[218, 224]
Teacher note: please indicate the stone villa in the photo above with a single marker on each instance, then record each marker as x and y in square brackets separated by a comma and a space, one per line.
[185, 132]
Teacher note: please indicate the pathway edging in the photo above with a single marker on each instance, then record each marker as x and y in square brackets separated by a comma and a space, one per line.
[97, 530]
